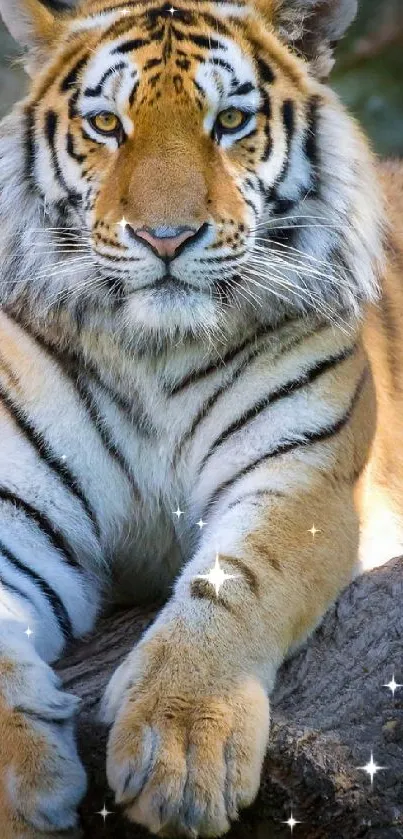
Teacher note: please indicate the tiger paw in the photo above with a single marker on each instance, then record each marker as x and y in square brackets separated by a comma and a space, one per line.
[181, 760]
[41, 777]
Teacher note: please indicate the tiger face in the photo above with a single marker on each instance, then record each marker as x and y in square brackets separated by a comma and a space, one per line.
[183, 144]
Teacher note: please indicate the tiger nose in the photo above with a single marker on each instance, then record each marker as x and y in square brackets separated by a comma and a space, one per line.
[165, 240]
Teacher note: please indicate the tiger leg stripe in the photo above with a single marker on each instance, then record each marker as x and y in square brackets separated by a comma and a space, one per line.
[48, 592]
[53, 534]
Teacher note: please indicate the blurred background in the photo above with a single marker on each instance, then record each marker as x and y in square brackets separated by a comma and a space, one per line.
[368, 73]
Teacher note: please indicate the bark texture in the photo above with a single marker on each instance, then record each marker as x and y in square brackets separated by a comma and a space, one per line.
[329, 712]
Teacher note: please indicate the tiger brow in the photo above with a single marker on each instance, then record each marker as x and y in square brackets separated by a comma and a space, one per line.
[98, 90]
[243, 89]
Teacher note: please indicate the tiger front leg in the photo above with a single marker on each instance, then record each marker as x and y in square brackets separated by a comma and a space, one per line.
[189, 706]
[41, 778]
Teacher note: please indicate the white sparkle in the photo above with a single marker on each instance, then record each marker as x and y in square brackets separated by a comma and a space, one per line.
[393, 685]
[217, 576]
[292, 822]
[201, 524]
[178, 513]
[63, 457]
[172, 10]
[104, 813]
[314, 531]
[123, 223]
[28, 632]
[371, 768]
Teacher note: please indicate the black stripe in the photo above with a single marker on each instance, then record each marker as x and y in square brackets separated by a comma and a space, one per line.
[15, 589]
[219, 62]
[52, 533]
[79, 158]
[71, 364]
[243, 89]
[51, 596]
[70, 80]
[196, 375]
[199, 40]
[142, 421]
[133, 92]
[72, 104]
[50, 129]
[217, 24]
[288, 118]
[266, 110]
[46, 454]
[69, 369]
[210, 402]
[309, 439]
[305, 379]
[219, 259]
[130, 46]
[254, 208]
[265, 71]
[183, 63]
[199, 88]
[282, 205]
[104, 433]
[311, 144]
[139, 5]
[97, 91]
[311, 130]
[30, 144]
[152, 62]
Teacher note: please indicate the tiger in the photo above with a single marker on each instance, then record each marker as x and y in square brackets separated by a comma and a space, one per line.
[200, 386]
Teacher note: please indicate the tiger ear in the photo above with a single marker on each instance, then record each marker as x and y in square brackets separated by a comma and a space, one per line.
[312, 27]
[33, 25]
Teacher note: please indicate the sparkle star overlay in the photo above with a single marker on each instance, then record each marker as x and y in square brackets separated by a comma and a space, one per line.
[28, 632]
[178, 513]
[201, 524]
[314, 531]
[291, 822]
[217, 576]
[123, 223]
[393, 685]
[371, 768]
[104, 813]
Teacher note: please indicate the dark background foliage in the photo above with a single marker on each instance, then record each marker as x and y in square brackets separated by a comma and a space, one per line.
[368, 73]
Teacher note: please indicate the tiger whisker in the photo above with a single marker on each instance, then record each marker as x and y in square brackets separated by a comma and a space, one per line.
[291, 263]
[303, 293]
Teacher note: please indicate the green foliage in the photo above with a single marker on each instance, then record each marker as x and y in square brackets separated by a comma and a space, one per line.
[369, 73]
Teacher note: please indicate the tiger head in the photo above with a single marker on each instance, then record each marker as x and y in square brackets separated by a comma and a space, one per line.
[195, 156]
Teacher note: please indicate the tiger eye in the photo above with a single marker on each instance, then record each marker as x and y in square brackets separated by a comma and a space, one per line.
[231, 119]
[106, 122]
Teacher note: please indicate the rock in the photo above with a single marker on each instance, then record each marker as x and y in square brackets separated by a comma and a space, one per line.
[330, 711]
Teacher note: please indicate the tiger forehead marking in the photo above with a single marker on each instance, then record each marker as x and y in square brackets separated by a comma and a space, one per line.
[146, 54]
